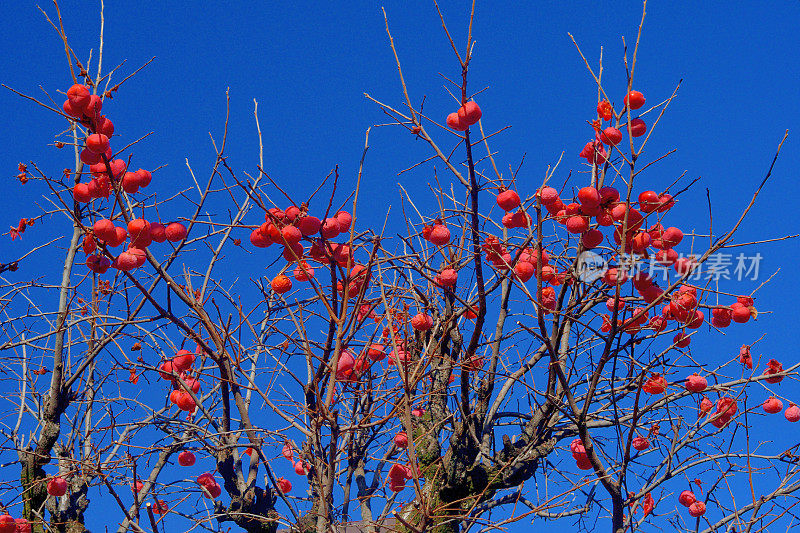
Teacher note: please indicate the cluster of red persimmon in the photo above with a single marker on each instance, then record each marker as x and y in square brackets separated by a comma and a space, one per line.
[110, 174]
[289, 227]
[9, 524]
[467, 115]
[399, 473]
[208, 483]
[300, 467]
[177, 372]
[141, 232]
[594, 151]
[605, 207]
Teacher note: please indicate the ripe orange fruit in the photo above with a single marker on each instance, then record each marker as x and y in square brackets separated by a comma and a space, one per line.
[81, 193]
[422, 322]
[303, 272]
[258, 239]
[469, 113]
[104, 230]
[291, 235]
[97, 143]
[104, 125]
[508, 200]
[329, 228]
[281, 284]
[130, 183]
[57, 486]
[634, 99]
[344, 220]
[93, 107]
[440, 235]
[186, 458]
[611, 136]
[638, 127]
[79, 96]
[308, 225]
[158, 232]
[455, 122]
[175, 232]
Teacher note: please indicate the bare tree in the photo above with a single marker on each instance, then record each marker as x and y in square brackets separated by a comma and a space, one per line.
[461, 370]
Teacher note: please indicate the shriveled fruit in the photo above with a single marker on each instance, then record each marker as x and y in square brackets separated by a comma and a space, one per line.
[7, 524]
[773, 367]
[697, 509]
[22, 526]
[687, 498]
[98, 263]
[284, 485]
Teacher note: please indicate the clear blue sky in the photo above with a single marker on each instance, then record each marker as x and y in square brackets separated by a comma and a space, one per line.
[308, 63]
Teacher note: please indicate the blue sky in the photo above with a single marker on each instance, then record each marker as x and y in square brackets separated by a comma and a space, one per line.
[308, 65]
